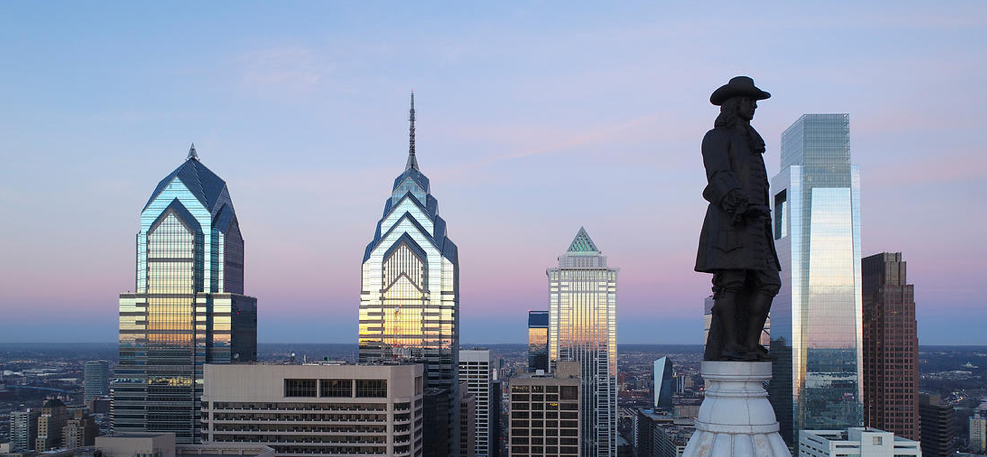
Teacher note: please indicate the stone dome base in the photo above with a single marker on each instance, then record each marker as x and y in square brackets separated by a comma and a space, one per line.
[735, 418]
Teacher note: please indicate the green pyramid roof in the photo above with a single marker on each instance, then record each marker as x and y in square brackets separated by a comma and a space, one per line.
[583, 244]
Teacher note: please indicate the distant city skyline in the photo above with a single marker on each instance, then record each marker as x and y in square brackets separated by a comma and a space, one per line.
[532, 120]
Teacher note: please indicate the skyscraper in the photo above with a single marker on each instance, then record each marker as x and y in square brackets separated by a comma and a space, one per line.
[187, 308]
[545, 413]
[978, 433]
[582, 311]
[24, 429]
[52, 420]
[664, 384]
[938, 422]
[816, 317]
[495, 406]
[97, 379]
[475, 372]
[537, 341]
[409, 301]
[890, 347]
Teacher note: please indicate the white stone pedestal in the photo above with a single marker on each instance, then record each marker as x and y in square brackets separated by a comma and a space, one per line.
[736, 418]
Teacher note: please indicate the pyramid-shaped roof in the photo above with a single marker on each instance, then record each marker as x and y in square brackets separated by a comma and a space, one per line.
[583, 244]
[201, 181]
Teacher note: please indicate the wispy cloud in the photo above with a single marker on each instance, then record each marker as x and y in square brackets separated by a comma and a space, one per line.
[288, 71]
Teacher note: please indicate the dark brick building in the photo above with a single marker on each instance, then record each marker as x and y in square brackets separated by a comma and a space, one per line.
[890, 341]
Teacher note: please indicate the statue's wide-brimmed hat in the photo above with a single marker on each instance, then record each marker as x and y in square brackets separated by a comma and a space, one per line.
[739, 86]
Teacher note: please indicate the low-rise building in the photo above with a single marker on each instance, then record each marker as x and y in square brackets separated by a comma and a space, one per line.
[163, 445]
[855, 441]
[316, 409]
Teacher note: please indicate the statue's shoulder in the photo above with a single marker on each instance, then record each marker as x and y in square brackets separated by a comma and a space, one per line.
[718, 135]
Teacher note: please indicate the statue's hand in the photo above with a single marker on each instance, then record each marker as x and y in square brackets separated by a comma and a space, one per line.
[757, 212]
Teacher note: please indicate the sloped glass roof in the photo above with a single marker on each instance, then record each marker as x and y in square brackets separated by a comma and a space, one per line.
[201, 181]
[583, 244]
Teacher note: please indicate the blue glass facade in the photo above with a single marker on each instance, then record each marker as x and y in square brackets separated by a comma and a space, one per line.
[187, 308]
[664, 384]
[816, 329]
[538, 341]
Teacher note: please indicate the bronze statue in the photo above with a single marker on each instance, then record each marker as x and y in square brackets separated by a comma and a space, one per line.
[736, 242]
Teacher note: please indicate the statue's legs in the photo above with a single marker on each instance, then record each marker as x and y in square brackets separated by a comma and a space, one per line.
[728, 291]
[765, 286]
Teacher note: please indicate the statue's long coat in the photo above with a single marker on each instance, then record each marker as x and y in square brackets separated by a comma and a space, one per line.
[732, 163]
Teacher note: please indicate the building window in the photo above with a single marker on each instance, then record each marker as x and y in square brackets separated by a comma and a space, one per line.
[569, 393]
[878, 441]
[299, 388]
[336, 388]
[371, 388]
[781, 229]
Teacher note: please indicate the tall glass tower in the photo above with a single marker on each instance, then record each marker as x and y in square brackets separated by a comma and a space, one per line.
[409, 302]
[582, 309]
[537, 341]
[187, 308]
[816, 329]
[664, 384]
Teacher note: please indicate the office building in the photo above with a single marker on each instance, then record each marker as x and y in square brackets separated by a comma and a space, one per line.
[938, 422]
[80, 430]
[671, 439]
[537, 341]
[97, 379]
[664, 384]
[187, 308]
[409, 300]
[316, 409]
[978, 434]
[545, 413]
[856, 441]
[467, 422]
[890, 347]
[475, 373]
[54, 416]
[816, 317]
[439, 433]
[24, 429]
[163, 445]
[645, 424]
[583, 328]
[496, 396]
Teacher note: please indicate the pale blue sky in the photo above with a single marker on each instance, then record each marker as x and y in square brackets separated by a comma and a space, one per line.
[533, 120]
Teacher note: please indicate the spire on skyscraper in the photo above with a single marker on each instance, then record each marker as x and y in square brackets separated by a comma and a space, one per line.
[412, 161]
[191, 153]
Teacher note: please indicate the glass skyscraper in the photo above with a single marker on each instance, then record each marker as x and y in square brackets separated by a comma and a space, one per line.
[96, 382]
[582, 311]
[664, 384]
[537, 341]
[409, 301]
[816, 318]
[187, 308]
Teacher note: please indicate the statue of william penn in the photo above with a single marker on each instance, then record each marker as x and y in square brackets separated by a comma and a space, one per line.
[736, 243]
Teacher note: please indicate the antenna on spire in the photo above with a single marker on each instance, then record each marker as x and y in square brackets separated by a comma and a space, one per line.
[191, 153]
[412, 161]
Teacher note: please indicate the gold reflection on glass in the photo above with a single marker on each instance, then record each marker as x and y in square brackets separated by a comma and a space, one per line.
[409, 300]
[178, 318]
[583, 328]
